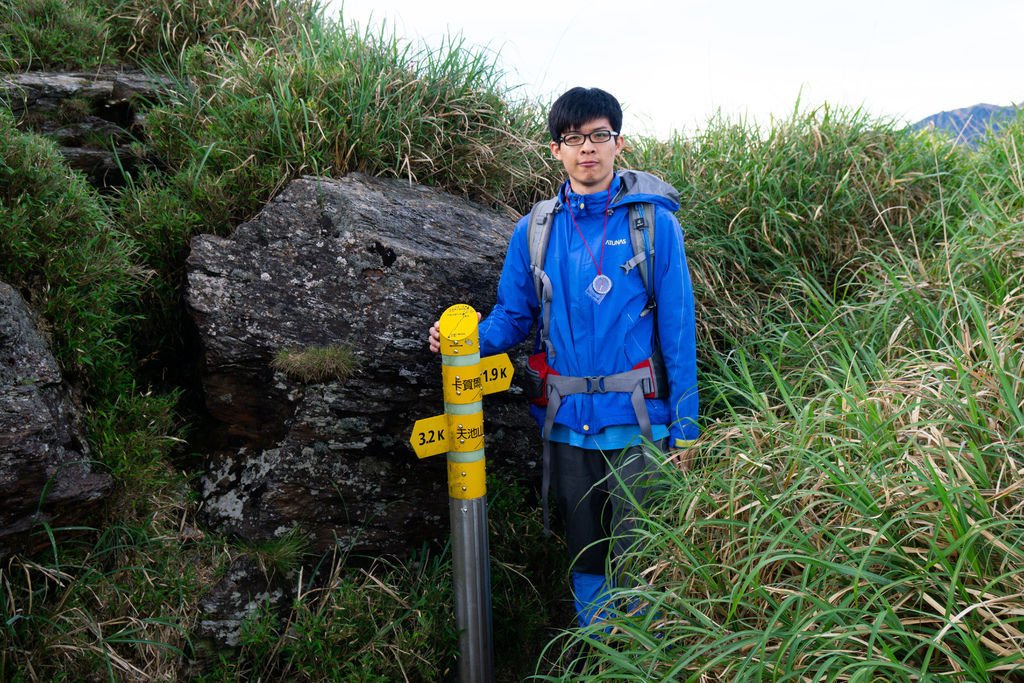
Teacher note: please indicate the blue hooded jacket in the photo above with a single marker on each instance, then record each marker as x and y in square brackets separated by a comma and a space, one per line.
[609, 337]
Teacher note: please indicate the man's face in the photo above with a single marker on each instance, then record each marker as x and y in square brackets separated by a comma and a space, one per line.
[590, 166]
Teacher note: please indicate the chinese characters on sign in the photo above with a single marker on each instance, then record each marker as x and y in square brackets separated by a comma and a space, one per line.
[466, 384]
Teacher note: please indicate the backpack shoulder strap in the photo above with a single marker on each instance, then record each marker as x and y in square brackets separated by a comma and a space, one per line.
[641, 238]
[538, 234]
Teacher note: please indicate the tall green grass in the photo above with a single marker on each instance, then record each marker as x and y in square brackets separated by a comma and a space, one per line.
[86, 34]
[808, 198]
[60, 246]
[855, 514]
[248, 119]
[44, 34]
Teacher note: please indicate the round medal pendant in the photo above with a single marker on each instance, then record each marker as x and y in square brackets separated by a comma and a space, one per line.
[602, 284]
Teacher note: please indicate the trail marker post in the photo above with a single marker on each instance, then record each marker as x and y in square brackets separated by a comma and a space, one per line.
[459, 431]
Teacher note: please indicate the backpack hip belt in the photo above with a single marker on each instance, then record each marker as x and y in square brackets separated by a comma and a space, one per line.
[632, 382]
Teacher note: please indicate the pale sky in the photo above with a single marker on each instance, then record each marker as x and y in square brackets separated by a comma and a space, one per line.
[674, 64]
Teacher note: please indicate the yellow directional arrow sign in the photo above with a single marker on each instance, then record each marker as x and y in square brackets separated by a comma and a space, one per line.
[428, 436]
[496, 371]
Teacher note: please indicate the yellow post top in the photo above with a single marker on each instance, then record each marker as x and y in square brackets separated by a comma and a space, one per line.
[459, 331]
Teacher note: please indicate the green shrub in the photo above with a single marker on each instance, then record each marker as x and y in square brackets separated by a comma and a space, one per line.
[997, 166]
[52, 34]
[164, 30]
[78, 269]
[331, 102]
[854, 514]
[84, 34]
[815, 195]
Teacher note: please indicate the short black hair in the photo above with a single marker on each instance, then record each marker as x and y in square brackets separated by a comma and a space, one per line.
[579, 105]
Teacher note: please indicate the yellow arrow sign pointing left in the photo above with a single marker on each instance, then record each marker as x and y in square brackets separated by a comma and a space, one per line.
[429, 436]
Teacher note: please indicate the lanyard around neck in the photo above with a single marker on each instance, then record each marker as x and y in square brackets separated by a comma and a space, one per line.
[604, 231]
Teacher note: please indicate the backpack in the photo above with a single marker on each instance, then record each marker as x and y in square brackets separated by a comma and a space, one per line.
[545, 387]
[641, 238]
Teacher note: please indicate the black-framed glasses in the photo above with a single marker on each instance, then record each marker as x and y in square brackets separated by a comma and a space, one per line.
[597, 137]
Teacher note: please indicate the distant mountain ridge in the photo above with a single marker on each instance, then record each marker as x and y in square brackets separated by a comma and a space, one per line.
[969, 124]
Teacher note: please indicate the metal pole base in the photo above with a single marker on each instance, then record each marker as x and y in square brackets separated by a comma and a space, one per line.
[472, 581]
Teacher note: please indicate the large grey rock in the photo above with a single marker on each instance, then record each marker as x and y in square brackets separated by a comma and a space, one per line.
[45, 472]
[367, 264]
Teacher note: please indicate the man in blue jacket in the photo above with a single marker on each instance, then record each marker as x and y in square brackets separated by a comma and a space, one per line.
[601, 330]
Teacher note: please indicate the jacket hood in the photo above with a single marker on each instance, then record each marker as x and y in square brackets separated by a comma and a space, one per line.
[640, 186]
